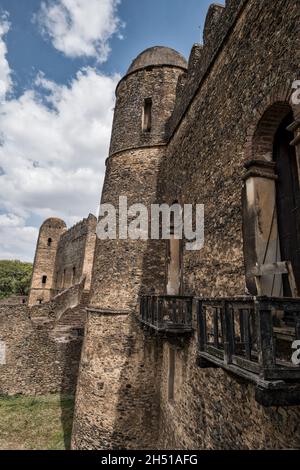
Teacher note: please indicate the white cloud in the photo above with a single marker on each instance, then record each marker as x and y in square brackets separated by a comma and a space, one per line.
[54, 141]
[53, 159]
[17, 240]
[5, 78]
[80, 28]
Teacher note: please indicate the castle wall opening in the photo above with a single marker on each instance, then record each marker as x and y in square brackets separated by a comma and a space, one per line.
[270, 218]
[287, 202]
[147, 115]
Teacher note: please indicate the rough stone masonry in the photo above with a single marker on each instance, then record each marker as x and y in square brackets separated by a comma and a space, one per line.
[203, 132]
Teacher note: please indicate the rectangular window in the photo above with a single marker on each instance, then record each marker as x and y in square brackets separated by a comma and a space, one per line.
[147, 115]
[44, 280]
[171, 378]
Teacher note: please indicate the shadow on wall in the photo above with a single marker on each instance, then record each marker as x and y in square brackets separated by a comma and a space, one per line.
[136, 423]
[137, 417]
[68, 386]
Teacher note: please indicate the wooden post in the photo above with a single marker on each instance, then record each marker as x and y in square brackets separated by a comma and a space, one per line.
[202, 331]
[216, 327]
[266, 345]
[159, 311]
[246, 333]
[189, 312]
[174, 311]
[228, 318]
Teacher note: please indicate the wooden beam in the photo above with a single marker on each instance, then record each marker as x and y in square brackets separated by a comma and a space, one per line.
[271, 269]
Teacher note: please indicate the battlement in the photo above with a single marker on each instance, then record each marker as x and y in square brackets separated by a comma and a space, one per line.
[219, 22]
[80, 229]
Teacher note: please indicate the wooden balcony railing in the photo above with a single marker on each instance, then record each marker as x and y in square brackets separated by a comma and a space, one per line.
[168, 314]
[250, 336]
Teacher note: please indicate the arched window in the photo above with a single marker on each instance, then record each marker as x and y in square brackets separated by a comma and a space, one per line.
[49, 242]
[147, 115]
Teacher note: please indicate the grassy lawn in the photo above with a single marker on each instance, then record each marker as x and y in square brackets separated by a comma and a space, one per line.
[36, 423]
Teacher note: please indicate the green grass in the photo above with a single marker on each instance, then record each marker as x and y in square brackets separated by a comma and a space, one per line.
[36, 423]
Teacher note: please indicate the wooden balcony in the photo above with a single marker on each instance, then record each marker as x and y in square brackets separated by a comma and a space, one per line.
[167, 314]
[253, 338]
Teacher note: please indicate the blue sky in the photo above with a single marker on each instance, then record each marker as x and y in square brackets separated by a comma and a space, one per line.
[60, 61]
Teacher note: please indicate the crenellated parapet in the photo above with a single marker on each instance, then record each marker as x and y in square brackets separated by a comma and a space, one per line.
[212, 21]
[219, 22]
[79, 229]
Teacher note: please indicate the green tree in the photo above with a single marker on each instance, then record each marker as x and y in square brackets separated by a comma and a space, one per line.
[15, 278]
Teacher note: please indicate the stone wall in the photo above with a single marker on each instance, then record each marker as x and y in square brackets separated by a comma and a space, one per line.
[248, 62]
[158, 83]
[211, 141]
[75, 254]
[205, 157]
[63, 257]
[117, 403]
[42, 345]
[14, 300]
[61, 303]
[120, 268]
[214, 410]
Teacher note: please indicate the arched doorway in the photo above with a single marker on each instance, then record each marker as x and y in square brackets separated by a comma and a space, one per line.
[271, 207]
[287, 201]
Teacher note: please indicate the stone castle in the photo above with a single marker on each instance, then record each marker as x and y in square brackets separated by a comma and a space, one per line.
[167, 348]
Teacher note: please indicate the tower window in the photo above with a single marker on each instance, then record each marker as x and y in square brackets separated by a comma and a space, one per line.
[147, 115]
[49, 242]
[74, 275]
[44, 280]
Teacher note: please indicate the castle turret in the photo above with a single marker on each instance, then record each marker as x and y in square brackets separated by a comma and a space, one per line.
[44, 261]
[115, 359]
[145, 101]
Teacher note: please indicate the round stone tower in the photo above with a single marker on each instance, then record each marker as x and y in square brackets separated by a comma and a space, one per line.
[145, 101]
[44, 261]
[117, 386]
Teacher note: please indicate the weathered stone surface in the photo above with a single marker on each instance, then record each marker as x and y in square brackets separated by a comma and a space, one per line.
[117, 402]
[62, 258]
[43, 344]
[207, 122]
[248, 62]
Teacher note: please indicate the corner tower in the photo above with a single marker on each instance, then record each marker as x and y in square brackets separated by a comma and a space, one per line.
[145, 101]
[119, 370]
[44, 261]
